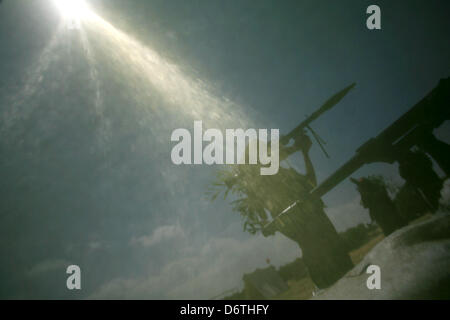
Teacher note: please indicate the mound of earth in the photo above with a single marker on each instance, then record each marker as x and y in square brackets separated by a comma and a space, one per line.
[414, 263]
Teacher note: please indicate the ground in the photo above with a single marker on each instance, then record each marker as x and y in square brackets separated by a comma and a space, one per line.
[303, 289]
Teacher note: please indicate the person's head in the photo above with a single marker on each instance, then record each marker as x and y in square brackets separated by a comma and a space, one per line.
[370, 190]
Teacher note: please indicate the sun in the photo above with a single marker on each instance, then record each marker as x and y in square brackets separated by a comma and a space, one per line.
[73, 10]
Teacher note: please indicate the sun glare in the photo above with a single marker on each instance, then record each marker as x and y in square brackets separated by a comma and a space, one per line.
[75, 10]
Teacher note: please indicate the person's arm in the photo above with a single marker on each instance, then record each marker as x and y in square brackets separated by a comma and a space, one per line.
[310, 172]
[303, 143]
[285, 152]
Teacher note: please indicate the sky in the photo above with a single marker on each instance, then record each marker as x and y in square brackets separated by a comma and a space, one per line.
[87, 114]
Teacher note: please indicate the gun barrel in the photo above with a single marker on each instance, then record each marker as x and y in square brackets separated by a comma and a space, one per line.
[341, 174]
[431, 111]
[427, 114]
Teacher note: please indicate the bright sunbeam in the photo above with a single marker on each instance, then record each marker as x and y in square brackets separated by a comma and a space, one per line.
[73, 11]
[192, 96]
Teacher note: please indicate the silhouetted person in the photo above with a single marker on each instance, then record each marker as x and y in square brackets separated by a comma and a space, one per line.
[410, 203]
[417, 170]
[382, 209]
[306, 223]
[438, 150]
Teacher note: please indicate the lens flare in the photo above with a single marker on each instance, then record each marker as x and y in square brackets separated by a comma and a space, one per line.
[146, 70]
[73, 11]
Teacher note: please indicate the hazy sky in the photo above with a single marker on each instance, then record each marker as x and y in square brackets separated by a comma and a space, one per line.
[86, 117]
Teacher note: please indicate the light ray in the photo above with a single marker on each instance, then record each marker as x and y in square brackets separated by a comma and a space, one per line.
[73, 11]
[33, 80]
[192, 96]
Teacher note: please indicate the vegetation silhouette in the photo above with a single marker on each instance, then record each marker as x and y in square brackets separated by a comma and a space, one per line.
[260, 200]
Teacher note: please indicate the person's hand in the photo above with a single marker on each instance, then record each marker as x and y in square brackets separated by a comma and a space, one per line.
[303, 142]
